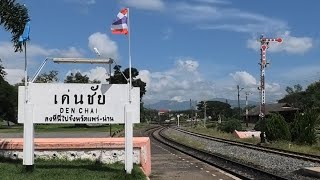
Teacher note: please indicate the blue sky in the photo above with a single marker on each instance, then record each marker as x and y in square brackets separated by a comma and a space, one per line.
[198, 49]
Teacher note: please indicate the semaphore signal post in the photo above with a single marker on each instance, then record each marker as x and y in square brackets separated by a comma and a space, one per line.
[264, 45]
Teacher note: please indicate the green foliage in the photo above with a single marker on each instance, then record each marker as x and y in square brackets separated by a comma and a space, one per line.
[13, 17]
[308, 99]
[121, 78]
[298, 100]
[148, 115]
[277, 128]
[215, 108]
[313, 95]
[54, 169]
[211, 125]
[260, 125]
[296, 89]
[117, 77]
[230, 125]
[79, 78]
[49, 77]
[2, 72]
[303, 128]
[8, 101]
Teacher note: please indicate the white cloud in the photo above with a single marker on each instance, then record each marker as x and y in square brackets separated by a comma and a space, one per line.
[214, 1]
[13, 59]
[273, 87]
[229, 18]
[145, 76]
[188, 65]
[211, 16]
[243, 78]
[13, 62]
[290, 44]
[97, 73]
[145, 4]
[301, 72]
[190, 12]
[104, 44]
[182, 83]
[178, 98]
[14, 76]
[82, 2]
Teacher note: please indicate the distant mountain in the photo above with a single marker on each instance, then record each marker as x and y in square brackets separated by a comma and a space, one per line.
[170, 105]
[185, 105]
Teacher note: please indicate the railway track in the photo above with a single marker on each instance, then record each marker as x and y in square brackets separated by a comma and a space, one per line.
[302, 156]
[285, 165]
[235, 168]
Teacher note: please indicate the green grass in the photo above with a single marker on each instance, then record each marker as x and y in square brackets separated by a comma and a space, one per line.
[142, 126]
[184, 140]
[314, 149]
[285, 145]
[66, 170]
[61, 128]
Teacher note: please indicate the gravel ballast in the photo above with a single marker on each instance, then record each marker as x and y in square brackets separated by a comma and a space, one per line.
[282, 165]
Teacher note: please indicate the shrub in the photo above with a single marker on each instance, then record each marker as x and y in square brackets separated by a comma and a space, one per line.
[211, 125]
[303, 127]
[260, 125]
[230, 125]
[277, 128]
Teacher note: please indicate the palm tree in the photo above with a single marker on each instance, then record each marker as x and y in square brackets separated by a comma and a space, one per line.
[13, 17]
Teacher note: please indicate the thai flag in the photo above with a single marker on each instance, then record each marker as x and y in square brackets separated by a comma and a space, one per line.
[120, 25]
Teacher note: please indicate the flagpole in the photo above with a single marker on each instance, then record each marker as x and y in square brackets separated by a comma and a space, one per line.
[130, 76]
[128, 116]
[25, 70]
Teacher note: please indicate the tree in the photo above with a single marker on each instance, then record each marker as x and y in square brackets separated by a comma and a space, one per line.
[50, 77]
[215, 108]
[303, 128]
[308, 99]
[79, 78]
[148, 115]
[298, 100]
[121, 78]
[277, 128]
[313, 95]
[8, 101]
[2, 72]
[296, 89]
[230, 125]
[13, 17]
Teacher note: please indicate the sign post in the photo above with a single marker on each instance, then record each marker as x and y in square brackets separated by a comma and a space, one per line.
[28, 137]
[129, 117]
[178, 119]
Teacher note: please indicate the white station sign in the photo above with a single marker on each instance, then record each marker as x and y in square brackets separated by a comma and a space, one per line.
[79, 103]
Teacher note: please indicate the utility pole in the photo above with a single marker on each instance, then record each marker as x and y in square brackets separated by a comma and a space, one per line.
[191, 112]
[195, 114]
[238, 88]
[205, 112]
[263, 64]
[247, 119]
